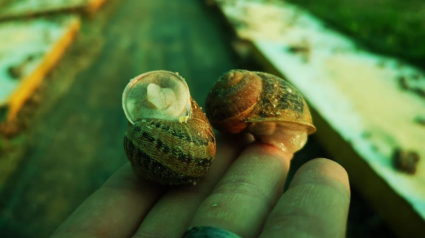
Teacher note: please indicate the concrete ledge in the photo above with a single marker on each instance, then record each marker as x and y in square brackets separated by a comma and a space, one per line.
[365, 106]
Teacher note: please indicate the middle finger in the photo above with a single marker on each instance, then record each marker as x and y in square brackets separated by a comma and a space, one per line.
[246, 194]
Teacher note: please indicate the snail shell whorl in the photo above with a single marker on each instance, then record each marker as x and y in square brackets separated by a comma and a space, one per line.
[233, 97]
[169, 138]
[170, 152]
[241, 98]
[262, 104]
[280, 101]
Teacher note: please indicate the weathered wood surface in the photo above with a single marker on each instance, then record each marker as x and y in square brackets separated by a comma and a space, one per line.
[28, 50]
[76, 139]
[365, 106]
[15, 9]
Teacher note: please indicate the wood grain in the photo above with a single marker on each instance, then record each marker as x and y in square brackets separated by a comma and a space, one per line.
[12, 10]
[76, 140]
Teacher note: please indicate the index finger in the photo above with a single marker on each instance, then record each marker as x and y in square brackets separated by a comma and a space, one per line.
[315, 205]
[114, 210]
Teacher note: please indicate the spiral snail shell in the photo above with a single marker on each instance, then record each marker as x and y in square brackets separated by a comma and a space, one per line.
[169, 139]
[262, 104]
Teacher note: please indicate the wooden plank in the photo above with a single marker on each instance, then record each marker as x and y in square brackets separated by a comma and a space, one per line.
[366, 106]
[26, 8]
[76, 144]
[29, 49]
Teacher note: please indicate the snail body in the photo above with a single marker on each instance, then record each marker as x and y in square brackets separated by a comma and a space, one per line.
[261, 104]
[169, 139]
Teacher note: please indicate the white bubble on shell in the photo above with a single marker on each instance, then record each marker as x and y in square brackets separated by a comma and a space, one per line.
[157, 94]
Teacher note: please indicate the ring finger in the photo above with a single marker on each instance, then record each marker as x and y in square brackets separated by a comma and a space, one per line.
[244, 197]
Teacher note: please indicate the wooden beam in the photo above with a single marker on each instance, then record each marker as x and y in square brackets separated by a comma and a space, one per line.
[29, 49]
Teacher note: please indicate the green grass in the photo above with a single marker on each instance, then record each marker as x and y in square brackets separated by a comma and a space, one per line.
[392, 27]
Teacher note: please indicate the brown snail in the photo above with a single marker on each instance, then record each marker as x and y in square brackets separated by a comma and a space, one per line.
[262, 104]
[169, 139]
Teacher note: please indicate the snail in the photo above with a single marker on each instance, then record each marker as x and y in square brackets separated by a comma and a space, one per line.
[169, 139]
[262, 104]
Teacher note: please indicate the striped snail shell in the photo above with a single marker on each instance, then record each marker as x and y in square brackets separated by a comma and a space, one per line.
[169, 139]
[262, 104]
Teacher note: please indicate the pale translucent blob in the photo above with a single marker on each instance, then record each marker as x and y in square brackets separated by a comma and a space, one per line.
[161, 98]
[157, 94]
[289, 137]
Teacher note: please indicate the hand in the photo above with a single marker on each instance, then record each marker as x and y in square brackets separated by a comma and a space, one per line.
[242, 193]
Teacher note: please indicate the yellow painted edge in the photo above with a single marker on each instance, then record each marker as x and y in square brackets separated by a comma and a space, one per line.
[30, 83]
[94, 5]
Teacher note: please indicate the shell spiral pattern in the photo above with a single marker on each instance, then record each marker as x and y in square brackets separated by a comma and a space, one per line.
[171, 153]
[262, 104]
[169, 139]
[241, 97]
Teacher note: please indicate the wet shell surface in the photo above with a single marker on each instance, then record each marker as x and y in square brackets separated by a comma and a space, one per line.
[262, 104]
[169, 139]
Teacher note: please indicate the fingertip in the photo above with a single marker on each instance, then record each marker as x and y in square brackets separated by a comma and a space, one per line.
[323, 169]
[318, 197]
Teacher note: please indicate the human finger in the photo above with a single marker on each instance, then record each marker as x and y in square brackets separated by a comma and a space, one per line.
[243, 198]
[114, 210]
[315, 205]
[171, 215]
